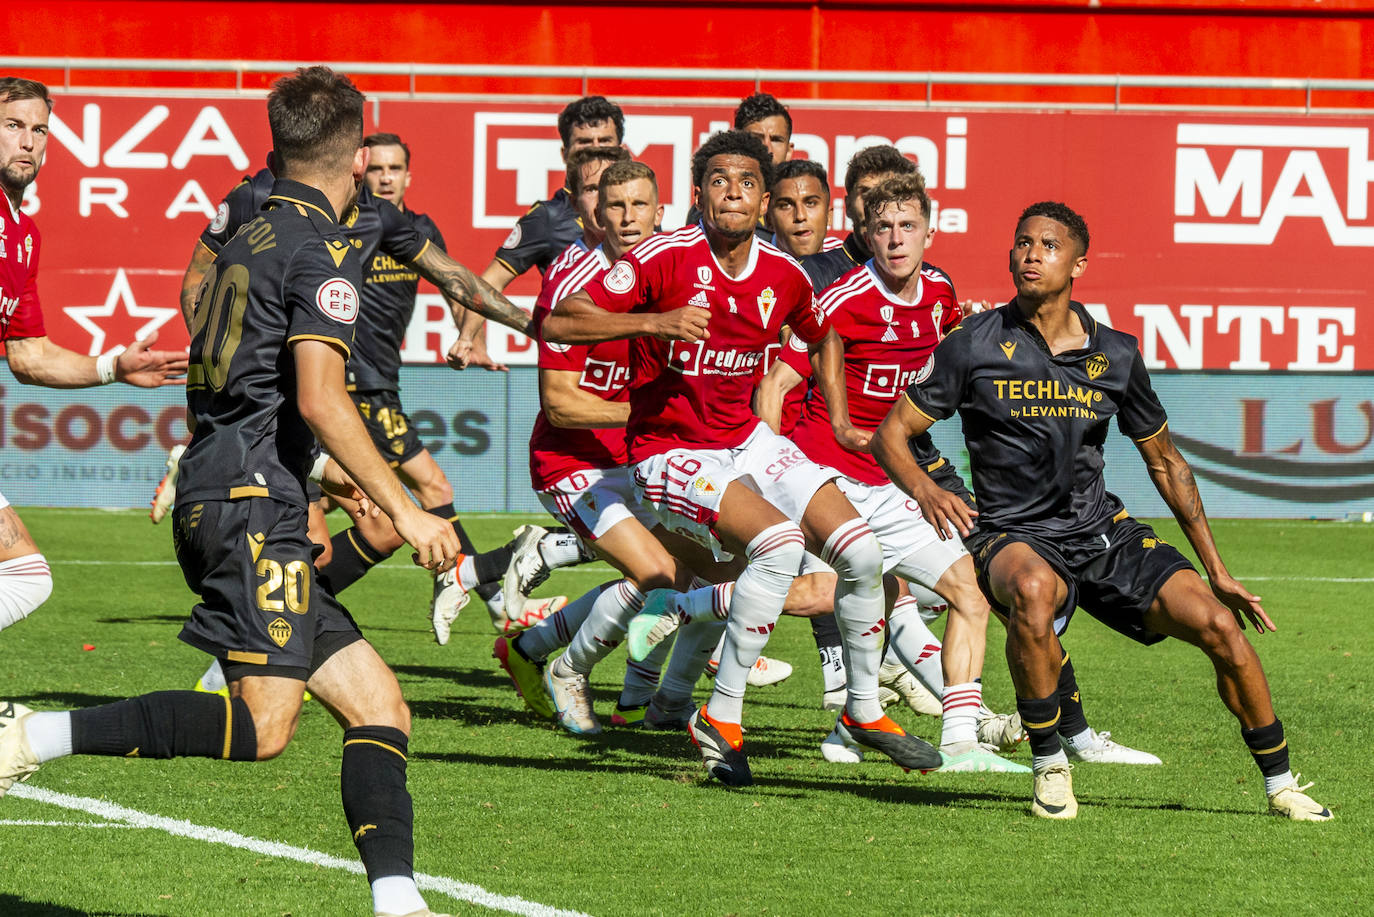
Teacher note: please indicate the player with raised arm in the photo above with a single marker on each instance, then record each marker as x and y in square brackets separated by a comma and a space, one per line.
[1036, 383]
[701, 305]
[25, 107]
[273, 329]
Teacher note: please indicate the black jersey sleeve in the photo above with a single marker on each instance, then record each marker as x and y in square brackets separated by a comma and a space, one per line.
[238, 208]
[430, 231]
[321, 297]
[940, 387]
[1141, 416]
[401, 238]
[530, 243]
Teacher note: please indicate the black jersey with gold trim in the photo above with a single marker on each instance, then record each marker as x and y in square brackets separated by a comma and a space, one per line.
[238, 208]
[389, 287]
[1035, 423]
[541, 235]
[288, 275]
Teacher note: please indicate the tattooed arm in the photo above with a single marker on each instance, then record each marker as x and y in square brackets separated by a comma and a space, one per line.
[1174, 480]
[461, 285]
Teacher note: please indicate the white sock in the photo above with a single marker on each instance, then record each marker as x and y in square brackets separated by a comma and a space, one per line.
[213, 679]
[467, 573]
[910, 640]
[1271, 784]
[690, 652]
[703, 602]
[605, 626]
[715, 653]
[775, 556]
[1040, 762]
[1082, 741]
[396, 895]
[560, 550]
[49, 734]
[853, 550]
[25, 583]
[960, 721]
[557, 629]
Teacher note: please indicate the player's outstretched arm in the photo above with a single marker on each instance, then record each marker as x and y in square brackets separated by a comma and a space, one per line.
[567, 404]
[942, 509]
[470, 350]
[325, 406]
[498, 276]
[201, 259]
[578, 320]
[1174, 480]
[462, 286]
[828, 359]
[38, 361]
[772, 391]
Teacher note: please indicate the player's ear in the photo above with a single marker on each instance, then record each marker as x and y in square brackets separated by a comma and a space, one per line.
[1079, 266]
[658, 216]
[360, 160]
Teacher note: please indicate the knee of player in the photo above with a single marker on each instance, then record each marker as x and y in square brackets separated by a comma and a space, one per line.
[25, 583]
[1033, 595]
[273, 735]
[1220, 636]
[855, 553]
[781, 547]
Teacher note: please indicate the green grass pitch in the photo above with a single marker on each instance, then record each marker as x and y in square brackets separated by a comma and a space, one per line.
[625, 823]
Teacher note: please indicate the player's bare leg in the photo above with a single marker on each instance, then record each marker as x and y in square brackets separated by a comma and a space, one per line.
[25, 580]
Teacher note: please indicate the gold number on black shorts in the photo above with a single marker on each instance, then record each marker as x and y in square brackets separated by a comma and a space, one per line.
[227, 291]
[295, 577]
[393, 422]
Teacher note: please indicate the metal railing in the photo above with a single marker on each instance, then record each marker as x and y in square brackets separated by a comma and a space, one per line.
[759, 79]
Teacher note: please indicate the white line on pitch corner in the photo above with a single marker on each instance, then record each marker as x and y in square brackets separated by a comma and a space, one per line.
[462, 891]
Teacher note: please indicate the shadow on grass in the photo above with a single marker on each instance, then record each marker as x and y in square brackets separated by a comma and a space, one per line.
[468, 678]
[19, 907]
[147, 619]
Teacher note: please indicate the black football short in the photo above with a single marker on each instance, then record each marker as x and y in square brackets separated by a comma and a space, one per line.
[388, 425]
[262, 609]
[1114, 576]
[949, 480]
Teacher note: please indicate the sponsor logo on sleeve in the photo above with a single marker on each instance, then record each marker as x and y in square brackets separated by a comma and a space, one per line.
[338, 299]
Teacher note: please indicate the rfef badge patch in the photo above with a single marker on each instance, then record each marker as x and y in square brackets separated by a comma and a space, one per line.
[621, 278]
[338, 299]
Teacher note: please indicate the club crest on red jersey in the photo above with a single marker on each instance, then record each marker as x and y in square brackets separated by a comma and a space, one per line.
[767, 300]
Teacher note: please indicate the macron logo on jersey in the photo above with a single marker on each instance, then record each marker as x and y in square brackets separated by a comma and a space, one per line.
[338, 299]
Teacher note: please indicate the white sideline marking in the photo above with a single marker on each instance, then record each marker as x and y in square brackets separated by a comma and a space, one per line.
[462, 891]
[28, 823]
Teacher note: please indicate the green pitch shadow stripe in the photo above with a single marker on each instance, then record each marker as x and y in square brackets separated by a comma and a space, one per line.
[462, 891]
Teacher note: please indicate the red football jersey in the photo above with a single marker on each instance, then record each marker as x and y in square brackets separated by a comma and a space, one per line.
[887, 346]
[20, 314]
[556, 452]
[699, 394]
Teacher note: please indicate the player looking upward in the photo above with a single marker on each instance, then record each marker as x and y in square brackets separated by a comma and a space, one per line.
[1036, 382]
[769, 120]
[701, 305]
[273, 328]
[25, 106]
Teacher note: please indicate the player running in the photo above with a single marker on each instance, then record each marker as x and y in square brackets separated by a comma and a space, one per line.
[273, 328]
[701, 305]
[1035, 383]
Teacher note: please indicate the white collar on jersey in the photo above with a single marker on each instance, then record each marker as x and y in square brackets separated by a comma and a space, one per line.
[748, 265]
[893, 297]
[600, 253]
[14, 211]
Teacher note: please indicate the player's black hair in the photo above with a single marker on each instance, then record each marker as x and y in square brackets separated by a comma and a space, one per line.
[590, 110]
[385, 139]
[16, 88]
[1060, 213]
[579, 158]
[758, 106]
[796, 168]
[875, 160]
[732, 143]
[316, 116]
[896, 190]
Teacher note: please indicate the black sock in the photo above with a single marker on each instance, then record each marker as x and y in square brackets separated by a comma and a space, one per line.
[1269, 748]
[1072, 720]
[167, 724]
[375, 800]
[827, 636]
[490, 566]
[465, 542]
[352, 556]
[1040, 716]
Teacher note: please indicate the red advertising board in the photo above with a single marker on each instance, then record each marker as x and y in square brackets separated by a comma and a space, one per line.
[1225, 242]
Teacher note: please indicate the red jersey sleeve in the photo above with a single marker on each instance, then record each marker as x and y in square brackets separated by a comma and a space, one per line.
[806, 319]
[27, 320]
[797, 355]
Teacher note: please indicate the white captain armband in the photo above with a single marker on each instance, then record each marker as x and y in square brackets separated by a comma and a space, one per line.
[317, 470]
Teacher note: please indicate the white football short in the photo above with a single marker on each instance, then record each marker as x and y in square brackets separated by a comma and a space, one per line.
[3, 501]
[593, 501]
[685, 487]
[911, 548]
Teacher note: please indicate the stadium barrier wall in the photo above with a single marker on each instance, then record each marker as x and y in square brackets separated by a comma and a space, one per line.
[1297, 446]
